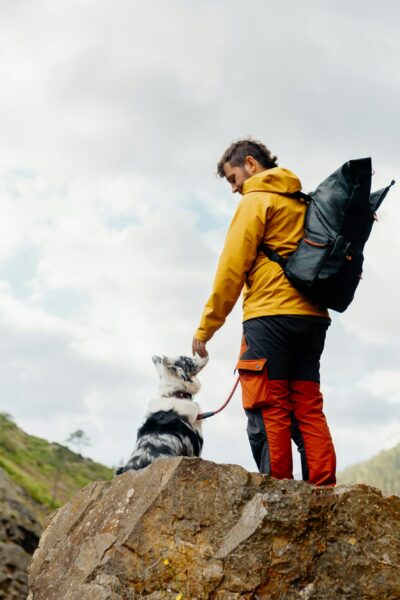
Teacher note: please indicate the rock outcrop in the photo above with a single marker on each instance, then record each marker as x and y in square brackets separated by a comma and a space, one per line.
[20, 530]
[187, 529]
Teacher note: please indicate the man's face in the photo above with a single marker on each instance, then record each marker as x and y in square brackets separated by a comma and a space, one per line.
[236, 176]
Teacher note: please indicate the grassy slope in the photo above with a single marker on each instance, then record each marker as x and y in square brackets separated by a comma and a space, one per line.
[381, 471]
[48, 472]
[51, 473]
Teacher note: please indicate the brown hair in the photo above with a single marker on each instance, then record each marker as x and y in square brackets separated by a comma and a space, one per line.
[237, 152]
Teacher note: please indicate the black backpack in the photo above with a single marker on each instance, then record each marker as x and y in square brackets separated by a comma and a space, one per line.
[327, 265]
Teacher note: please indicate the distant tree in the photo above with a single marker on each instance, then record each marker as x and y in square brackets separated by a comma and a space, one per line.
[7, 417]
[60, 466]
[79, 439]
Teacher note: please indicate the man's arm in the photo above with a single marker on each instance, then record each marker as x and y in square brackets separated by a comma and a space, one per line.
[239, 253]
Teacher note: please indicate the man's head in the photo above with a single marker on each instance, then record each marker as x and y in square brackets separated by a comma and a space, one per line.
[243, 159]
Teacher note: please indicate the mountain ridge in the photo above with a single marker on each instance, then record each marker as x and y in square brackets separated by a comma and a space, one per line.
[381, 470]
[49, 472]
[36, 477]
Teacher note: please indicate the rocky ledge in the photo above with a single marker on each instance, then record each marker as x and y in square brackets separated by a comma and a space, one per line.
[20, 530]
[187, 529]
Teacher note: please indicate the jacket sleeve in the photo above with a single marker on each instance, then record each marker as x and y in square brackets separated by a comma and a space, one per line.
[245, 233]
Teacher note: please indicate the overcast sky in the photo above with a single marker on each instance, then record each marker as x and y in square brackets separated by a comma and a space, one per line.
[112, 118]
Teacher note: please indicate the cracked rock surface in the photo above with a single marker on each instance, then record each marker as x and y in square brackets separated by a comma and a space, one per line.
[188, 529]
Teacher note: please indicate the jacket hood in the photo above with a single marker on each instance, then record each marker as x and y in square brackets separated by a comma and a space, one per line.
[276, 180]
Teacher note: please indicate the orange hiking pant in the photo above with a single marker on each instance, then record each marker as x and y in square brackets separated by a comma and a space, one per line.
[279, 375]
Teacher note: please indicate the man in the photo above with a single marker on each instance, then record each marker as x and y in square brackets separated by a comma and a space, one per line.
[283, 331]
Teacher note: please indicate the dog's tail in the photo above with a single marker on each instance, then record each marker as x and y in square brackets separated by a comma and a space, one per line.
[120, 470]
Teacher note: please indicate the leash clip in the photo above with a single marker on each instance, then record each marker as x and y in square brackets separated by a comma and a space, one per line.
[205, 415]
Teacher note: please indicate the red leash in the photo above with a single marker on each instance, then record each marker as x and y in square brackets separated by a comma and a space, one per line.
[215, 412]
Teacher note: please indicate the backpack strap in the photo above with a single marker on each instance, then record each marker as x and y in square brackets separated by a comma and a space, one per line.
[376, 198]
[302, 196]
[272, 255]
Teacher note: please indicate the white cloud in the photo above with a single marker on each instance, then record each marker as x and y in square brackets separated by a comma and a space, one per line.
[383, 384]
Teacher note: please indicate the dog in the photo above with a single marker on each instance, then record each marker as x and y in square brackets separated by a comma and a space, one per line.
[171, 427]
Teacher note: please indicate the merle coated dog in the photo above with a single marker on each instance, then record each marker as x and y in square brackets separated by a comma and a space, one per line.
[171, 427]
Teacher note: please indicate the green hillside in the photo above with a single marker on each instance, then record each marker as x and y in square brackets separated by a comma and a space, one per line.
[381, 471]
[50, 473]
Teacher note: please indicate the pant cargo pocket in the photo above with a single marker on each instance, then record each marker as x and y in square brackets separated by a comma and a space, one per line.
[253, 377]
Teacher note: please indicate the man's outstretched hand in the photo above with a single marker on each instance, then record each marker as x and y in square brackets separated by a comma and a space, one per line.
[199, 347]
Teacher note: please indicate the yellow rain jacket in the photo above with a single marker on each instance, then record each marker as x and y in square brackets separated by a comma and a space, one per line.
[264, 214]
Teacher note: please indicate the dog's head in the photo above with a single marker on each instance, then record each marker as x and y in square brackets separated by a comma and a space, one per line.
[178, 374]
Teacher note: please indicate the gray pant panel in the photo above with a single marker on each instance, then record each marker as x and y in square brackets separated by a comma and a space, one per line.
[258, 440]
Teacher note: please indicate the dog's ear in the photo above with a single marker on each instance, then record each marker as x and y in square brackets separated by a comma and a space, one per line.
[167, 362]
[158, 362]
[199, 363]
